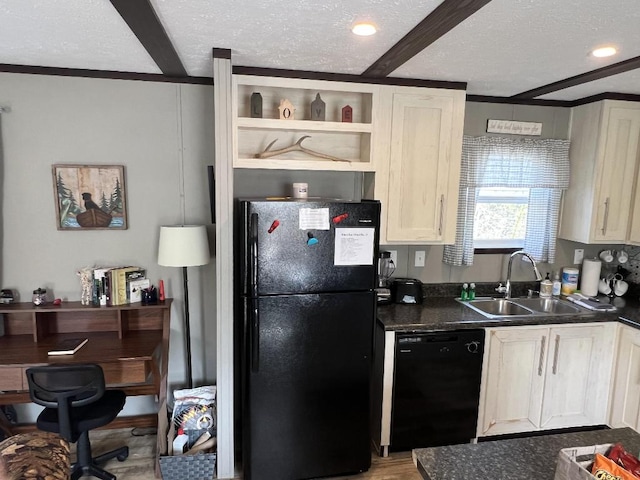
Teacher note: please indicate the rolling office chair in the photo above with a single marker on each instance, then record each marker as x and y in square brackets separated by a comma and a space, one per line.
[76, 401]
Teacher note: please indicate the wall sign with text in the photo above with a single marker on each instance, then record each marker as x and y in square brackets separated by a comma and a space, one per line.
[514, 128]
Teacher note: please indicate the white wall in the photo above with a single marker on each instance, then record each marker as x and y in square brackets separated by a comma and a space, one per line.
[162, 134]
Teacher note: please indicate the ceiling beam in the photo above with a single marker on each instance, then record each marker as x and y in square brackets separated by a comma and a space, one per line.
[609, 70]
[345, 77]
[145, 24]
[444, 18]
[110, 74]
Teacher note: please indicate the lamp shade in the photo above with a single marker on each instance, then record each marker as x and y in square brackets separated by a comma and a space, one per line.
[183, 246]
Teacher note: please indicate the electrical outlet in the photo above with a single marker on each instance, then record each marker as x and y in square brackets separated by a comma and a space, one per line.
[419, 261]
[578, 255]
[394, 257]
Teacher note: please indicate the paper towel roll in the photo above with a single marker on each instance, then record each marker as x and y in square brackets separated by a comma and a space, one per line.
[590, 277]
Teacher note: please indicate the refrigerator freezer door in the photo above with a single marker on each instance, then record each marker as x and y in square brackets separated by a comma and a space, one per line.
[307, 402]
[309, 247]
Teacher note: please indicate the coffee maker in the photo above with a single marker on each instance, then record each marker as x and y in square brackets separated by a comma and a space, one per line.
[386, 267]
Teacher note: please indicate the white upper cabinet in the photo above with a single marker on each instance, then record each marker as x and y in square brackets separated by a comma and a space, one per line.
[419, 184]
[348, 142]
[604, 156]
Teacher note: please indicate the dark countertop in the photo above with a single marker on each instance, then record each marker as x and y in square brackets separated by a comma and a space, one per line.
[530, 458]
[445, 313]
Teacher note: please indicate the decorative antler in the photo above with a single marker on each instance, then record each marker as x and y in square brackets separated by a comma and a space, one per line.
[294, 148]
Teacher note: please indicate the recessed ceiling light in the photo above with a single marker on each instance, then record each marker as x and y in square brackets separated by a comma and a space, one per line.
[604, 52]
[364, 29]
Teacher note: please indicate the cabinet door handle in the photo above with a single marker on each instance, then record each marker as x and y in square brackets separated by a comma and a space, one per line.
[605, 220]
[542, 344]
[555, 355]
[441, 214]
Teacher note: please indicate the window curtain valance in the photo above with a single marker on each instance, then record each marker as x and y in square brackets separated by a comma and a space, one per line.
[542, 165]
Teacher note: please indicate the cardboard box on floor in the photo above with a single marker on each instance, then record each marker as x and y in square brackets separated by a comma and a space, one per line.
[575, 463]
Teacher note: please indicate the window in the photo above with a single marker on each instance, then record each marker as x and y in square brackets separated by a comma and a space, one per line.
[500, 217]
[510, 191]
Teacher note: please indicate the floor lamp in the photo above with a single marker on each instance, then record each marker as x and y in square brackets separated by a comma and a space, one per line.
[184, 246]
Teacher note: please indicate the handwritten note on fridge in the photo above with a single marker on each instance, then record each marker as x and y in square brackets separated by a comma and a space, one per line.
[354, 246]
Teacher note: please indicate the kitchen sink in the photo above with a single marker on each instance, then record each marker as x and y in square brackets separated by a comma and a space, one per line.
[497, 307]
[553, 306]
[522, 307]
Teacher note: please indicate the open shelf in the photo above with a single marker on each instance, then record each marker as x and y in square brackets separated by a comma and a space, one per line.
[349, 141]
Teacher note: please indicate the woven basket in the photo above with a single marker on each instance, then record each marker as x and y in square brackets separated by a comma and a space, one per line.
[201, 466]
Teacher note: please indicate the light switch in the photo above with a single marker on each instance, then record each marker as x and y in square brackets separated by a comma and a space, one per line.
[419, 262]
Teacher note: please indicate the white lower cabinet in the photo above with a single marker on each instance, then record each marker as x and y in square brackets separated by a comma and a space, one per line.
[625, 399]
[539, 378]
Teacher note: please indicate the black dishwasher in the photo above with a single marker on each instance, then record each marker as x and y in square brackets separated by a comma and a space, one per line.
[436, 388]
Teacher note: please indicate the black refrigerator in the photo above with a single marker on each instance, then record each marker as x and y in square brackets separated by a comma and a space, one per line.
[307, 273]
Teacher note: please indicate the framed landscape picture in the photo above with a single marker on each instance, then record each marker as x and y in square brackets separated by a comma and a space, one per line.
[90, 197]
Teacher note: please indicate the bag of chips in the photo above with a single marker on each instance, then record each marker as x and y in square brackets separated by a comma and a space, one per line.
[623, 458]
[605, 469]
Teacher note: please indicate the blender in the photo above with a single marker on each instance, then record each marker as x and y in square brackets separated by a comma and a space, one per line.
[386, 267]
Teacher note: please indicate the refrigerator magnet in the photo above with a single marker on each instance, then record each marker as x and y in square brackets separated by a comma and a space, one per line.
[337, 219]
[354, 246]
[273, 226]
[311, 240]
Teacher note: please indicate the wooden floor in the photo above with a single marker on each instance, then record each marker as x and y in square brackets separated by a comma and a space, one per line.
[139, 465]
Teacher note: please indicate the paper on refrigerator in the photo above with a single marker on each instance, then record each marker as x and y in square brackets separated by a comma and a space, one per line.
[354, 246]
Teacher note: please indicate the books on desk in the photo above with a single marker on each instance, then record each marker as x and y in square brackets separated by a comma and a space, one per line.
[111, 286]
[68, 346]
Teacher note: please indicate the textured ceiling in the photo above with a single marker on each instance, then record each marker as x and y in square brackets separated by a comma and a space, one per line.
[511, 46]
[505, 48]
[86, 34]
[291, 34]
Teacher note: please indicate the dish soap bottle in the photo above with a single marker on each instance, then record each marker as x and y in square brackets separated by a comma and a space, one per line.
[464, 294]
[546, 287]
[557, 285]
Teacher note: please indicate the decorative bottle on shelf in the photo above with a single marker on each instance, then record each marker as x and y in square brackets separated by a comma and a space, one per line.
[347, 114]
[318, 109]
[256, 105]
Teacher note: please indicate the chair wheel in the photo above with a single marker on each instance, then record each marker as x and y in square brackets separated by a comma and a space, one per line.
[123, 457]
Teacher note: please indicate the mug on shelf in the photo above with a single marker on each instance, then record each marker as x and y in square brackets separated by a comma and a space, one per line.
[606, 256]
[623, 256]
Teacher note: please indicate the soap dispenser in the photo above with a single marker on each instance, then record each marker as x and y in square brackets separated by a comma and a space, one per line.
[546, 287]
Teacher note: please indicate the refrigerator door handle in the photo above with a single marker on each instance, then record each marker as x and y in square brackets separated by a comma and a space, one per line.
[253, 255]
[254, 340]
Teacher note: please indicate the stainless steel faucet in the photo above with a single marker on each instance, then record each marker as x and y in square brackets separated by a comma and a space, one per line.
[506, 289]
